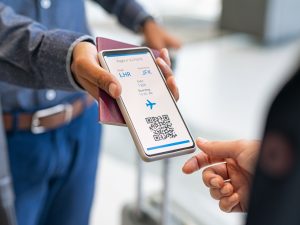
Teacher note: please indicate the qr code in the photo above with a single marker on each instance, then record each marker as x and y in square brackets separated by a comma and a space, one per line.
[161, 127]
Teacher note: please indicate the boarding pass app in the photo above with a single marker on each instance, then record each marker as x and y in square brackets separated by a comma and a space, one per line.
[148, 102]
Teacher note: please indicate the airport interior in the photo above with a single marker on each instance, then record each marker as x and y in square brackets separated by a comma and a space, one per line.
[235, 57]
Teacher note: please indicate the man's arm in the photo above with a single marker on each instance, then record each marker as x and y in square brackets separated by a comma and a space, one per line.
[32, 56]
[133, 16]
[129, 13]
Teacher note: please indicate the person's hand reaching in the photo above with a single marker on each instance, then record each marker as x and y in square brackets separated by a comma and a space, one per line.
[229, 171]
[157, 37]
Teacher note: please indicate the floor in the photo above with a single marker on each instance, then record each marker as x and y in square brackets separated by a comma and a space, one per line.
[227, 82]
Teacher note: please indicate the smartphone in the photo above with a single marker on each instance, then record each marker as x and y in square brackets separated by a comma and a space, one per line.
[147, 105]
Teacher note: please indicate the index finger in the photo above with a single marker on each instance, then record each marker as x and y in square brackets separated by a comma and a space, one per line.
[199, 161]
[220, 149]
[215, 176]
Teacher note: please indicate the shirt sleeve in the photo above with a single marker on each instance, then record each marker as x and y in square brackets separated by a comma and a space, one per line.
[129, 12]
[32, 56]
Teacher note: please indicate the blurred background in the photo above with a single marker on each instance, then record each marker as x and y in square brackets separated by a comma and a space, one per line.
[235, 57]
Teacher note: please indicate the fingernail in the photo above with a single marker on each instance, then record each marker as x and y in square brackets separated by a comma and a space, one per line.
[112, 89]
[214, 182]
[201, 140]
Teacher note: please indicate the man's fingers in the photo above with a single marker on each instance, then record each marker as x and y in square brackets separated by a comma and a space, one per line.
[108, 83]
[155, 42]
[225, 191]
[212, 179]
[167, 72]
[227, 204]
[173, 42]
[220, 149]
[165, 69]
[85, 65]
[237, 208]
[199, 161]
[164, 54]
[191, 165]
[90, 88]
[215, 176]
[101, 78]
[173, 87]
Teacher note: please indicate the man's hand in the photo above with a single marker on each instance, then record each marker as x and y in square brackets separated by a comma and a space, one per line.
[90, 75]
[156, 37]
[230, 179]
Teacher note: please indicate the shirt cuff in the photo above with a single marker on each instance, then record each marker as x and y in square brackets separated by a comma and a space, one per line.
[71, 78]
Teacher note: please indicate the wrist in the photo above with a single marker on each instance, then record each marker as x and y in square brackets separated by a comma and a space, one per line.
[146, 23]
[80, 53]
[70, 60]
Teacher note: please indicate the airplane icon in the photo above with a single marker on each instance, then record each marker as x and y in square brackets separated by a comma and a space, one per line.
[150, 104]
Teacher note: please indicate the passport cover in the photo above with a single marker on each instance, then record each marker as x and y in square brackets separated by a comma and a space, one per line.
[109, 112]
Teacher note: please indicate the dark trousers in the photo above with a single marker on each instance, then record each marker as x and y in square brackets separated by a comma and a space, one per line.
[54, 172]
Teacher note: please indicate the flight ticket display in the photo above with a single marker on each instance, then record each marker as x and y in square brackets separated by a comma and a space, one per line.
[148, 101]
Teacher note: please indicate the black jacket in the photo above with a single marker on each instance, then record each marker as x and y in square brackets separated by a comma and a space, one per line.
[275, 197]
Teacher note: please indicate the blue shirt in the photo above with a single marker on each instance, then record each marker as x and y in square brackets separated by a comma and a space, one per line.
[60, 20]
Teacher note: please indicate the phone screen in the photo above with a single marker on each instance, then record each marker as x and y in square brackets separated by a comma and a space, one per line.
[148, 102]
